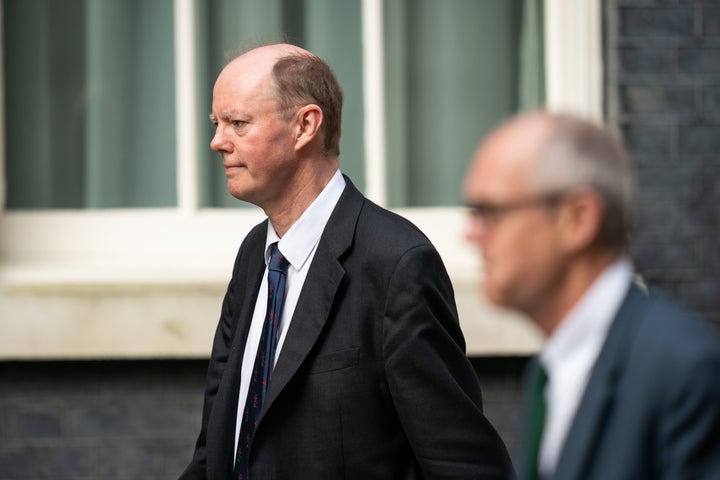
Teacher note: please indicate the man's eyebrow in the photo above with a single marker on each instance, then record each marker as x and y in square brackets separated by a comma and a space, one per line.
[227, 116]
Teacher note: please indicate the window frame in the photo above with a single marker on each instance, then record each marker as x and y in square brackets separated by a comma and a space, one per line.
[102, 250]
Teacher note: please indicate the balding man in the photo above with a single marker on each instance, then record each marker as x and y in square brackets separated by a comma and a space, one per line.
[627, 385]
[338, 354]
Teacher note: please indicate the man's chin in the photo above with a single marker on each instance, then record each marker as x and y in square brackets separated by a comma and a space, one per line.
[495, 296]
[240, 194]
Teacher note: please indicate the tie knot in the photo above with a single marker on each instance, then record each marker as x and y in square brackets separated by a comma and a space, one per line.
[277, 262]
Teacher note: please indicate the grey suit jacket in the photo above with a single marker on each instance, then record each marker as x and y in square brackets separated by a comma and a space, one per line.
[372, 381]
[651, 409]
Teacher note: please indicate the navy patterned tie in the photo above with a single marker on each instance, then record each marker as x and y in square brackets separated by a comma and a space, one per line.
[264, 360]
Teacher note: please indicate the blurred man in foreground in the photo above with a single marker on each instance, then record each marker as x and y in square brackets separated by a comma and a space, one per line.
[627, 384]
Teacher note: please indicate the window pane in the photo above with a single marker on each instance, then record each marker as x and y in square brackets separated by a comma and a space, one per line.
[452, 73]
[329, 28]
[90, 103]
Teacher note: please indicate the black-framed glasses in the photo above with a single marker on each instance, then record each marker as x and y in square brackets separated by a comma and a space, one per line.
[490, 213]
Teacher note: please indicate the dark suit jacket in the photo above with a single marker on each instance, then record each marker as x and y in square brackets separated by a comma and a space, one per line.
[372, 381]
[651, 409]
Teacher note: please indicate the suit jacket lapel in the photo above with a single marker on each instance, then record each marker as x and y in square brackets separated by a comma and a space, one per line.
[599, 393]
[318, 293]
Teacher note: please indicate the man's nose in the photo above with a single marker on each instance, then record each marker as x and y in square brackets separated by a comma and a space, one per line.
[218, 143]
[475, 230]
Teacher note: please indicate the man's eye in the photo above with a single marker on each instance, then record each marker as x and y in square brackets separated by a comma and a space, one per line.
[492, 216]
[486, 213]
[238, 123]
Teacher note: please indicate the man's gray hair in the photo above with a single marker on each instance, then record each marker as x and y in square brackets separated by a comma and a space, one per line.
[582, 153]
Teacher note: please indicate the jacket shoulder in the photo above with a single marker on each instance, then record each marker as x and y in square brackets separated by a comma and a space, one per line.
[388, 229]
[673, 339]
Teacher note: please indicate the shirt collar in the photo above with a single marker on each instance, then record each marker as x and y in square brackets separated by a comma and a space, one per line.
[299, 242]
[591, 317]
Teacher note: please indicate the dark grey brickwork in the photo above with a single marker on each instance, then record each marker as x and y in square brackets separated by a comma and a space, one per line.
[663, 93]
[98, 420]
[501, 383]
[138, 420]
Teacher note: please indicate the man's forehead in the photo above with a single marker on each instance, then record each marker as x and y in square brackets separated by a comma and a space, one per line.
[498, 170]
[514, 149]
[241, 106]
[243, 76]
[236, 88]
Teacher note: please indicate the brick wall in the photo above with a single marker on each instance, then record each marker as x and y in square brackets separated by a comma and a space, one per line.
[138, 420]
[663, 93]
[93, 420]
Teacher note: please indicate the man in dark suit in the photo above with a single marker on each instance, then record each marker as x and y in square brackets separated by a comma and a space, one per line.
[626, 385]
[368, 379]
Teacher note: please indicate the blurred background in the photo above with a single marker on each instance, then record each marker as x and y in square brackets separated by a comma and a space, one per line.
[117, 234]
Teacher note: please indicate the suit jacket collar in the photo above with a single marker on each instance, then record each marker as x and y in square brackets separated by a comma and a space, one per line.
[599, 393]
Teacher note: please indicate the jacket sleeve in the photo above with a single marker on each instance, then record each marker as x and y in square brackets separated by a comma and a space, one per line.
[689, 440]
[434, 388]
[224, 332]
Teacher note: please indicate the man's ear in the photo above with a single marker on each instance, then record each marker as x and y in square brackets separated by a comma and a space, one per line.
[580, 216]
[309, 120]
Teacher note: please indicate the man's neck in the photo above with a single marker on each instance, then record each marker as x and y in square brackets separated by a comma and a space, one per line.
[576, 281]
[298, 199]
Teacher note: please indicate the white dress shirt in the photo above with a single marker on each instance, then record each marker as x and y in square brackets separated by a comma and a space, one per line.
[570, 353]
[298, 246]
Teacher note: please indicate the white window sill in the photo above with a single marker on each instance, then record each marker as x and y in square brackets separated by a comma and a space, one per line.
[149, 284]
